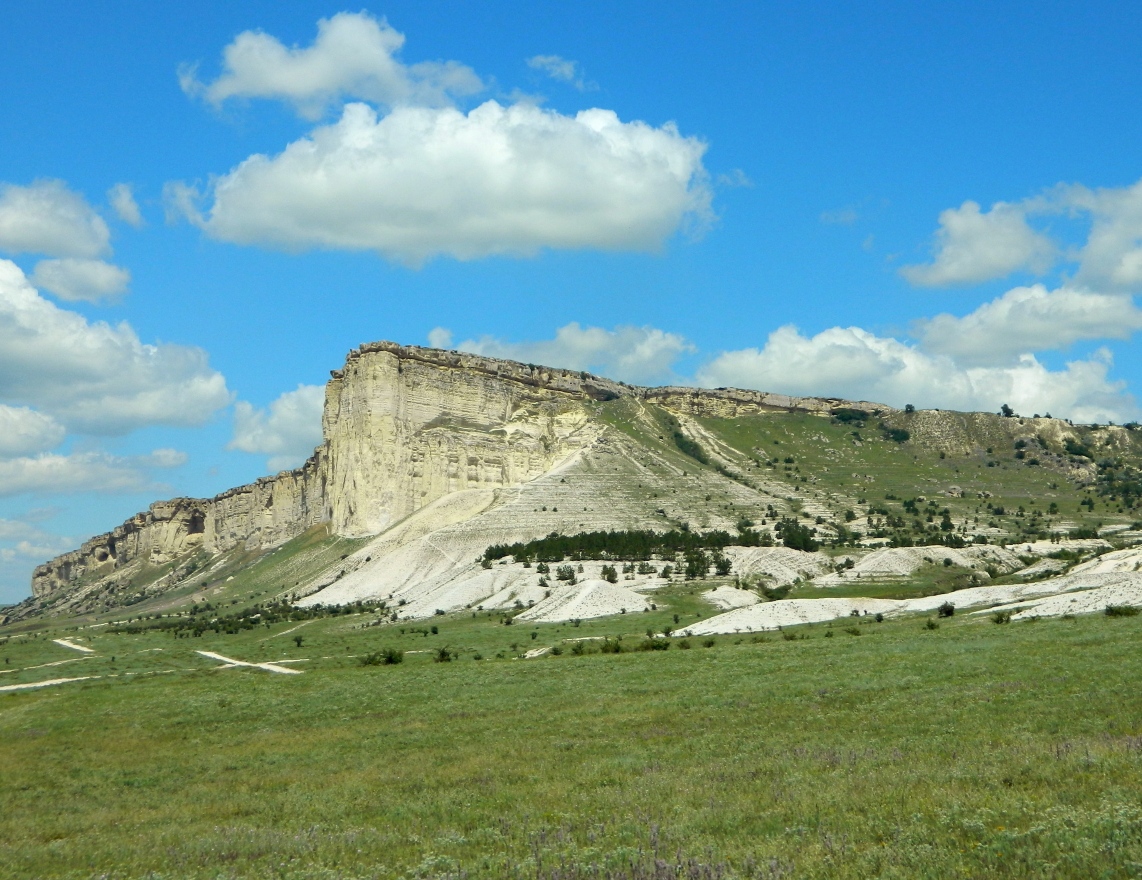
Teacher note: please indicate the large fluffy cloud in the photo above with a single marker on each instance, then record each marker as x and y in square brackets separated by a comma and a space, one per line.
[48, 218]
[632, 354]
[78, 472]
[95, 377]
[1029, 319]
[75, 279]
[497, 180]
[851, 362]
[353, 56]
[26, 541]
[1112, 256]
[288, 431]
[24, 431]
[974, 246]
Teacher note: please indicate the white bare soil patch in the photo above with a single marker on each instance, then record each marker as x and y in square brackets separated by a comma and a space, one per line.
[1079, 592]
[730, 597]
[42, 684]
[592, 598]
[1125, 589]
[65, 643]
[230, 663]
[780, 564]
[899, 562]
[786, 612]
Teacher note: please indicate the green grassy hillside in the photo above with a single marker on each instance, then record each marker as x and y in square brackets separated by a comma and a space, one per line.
[857, 750]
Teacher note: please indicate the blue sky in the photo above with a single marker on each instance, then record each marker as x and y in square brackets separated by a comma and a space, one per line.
[203, 209]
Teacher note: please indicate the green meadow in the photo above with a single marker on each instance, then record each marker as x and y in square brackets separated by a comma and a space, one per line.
[860, 749]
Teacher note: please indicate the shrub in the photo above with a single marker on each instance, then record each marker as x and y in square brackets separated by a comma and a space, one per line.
[444, 655]
[578, 649]
[684, 645]
[610, 575]
[611, 646]
[1121, 611]
[652, 644]
[1002, 617]
[297, 640]
[796, 536]
[556, 650]
[690, 447]
[931, 624]
[946, 610]
[709, 643]
[853, 630]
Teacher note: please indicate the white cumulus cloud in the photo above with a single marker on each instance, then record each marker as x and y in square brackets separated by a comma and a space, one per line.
[20, 540]
[24, 431]
[287, 431]
[853, 363]
[1029, 319]
[353, 56]
[974, 246]
[94, 377]
[639, 355]
[75, 279]
[1112, 255]
[421, 182]
[48, 218]
[122, 199]
[78, 472]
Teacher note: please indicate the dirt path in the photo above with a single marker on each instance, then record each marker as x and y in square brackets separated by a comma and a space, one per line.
[269, 667]
[74, 646]
[48, 683]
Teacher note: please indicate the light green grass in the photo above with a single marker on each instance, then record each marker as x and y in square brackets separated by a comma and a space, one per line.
[972, 750]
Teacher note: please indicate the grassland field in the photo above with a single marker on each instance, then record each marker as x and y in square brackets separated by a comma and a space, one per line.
[973, 749]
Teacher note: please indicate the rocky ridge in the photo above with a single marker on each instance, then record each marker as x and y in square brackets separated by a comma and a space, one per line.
[403, 427]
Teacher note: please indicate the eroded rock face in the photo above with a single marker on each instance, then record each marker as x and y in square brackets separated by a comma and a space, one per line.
[262, 514]
[403, 426]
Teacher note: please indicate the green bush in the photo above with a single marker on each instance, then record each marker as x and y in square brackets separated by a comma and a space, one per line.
[1121, 611]
[383, 657]
[946, 610]
[1001, 617]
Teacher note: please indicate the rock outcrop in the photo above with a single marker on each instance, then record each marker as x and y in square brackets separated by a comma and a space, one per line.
[403, 427]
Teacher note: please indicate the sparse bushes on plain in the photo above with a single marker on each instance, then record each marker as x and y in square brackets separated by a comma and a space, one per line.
[383, 657]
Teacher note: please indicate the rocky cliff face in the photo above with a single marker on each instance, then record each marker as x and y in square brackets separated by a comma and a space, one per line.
[262, 514]
[403, 427]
